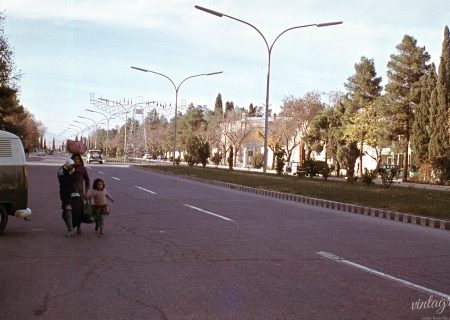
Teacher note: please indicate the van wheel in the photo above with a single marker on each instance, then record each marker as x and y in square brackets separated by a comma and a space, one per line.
[3, 218]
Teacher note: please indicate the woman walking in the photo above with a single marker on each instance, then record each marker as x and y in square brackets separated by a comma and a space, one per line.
[80, 185]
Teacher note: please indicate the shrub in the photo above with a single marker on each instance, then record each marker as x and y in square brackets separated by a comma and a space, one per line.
[258, 160]
[309, 168]
[367, 177]
[203, 152]
[230, 159]
[323, 169]
[279, 159]
[190, 159]
[388, 176]
[425, 172]
[217, 157]
[315, 167]
[442, 168]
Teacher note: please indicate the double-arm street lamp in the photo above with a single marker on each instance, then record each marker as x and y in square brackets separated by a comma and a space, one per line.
[108, 118]
[176, 99]
[269, 51]
[126, 109]
[96, 123]
[88, 128]
[81, 130]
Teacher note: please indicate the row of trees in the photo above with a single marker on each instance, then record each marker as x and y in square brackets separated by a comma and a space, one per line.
[13, 116]
[410, 115]
[412, 112]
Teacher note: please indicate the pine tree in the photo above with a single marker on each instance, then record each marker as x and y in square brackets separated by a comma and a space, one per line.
[440, 136]
[364, 86]
[8, 74]
[363, 89]
[403, 90]
[12, 114]
[251, 110]
[218, 107]
[229, 107]
[420, 137]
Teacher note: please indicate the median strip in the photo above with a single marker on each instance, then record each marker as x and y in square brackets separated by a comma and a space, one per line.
[382, 274]
[210, 213]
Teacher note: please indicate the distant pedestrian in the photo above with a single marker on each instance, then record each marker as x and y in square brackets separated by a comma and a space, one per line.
[65, 191]
[80, 186]
[100, 194]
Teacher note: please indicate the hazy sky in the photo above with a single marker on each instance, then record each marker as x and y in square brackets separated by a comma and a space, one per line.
[68, 49]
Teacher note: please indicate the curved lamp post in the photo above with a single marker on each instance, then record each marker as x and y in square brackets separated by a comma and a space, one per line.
[88, 128]
[80, 128]
[269, 51]
[108, 118]
[96, 123]
[126, 111]
[176, 98]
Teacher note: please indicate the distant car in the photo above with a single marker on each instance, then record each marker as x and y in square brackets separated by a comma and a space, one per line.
[147, 156]
[40, 153]
[161, 157]
[94, 156]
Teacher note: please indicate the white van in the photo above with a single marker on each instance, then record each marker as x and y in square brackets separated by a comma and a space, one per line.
[13, 179]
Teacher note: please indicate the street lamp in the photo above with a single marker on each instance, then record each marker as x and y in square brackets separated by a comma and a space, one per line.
[70, 131]
[108, 118]
[88, 128]
[78, 132]
[269, 51]
[96, 123]
[176, 99]
[126, 110]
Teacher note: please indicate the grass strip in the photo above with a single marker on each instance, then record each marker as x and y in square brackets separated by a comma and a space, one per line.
[423, 202]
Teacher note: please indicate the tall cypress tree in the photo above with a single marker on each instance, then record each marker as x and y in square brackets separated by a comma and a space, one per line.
[440, 136]
[420, 137]
[403, 90]
[218, 107]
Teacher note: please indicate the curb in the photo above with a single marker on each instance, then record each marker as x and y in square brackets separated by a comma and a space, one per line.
[345, 207]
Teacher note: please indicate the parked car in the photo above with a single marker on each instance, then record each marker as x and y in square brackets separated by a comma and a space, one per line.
[13, 179]
[94, 156]
[147, 156]
[40, 153]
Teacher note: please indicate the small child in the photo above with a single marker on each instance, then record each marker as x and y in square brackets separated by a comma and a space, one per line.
[100, 194]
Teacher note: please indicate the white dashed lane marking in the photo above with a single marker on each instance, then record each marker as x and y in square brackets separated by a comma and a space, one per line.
[146, 190]
[382, 274]
[210, 213]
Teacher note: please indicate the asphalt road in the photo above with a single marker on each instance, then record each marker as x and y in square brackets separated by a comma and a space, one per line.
[177, 249]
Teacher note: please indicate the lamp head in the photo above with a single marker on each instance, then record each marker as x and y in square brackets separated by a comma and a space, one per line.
[213, 73]
[139, 69]
[209, 11]
[326, 24]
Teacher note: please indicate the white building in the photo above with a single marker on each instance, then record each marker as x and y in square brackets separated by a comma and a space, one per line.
[246, 134]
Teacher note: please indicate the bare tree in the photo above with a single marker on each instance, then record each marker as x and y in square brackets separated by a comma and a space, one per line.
[236, 129]
[297, 113]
